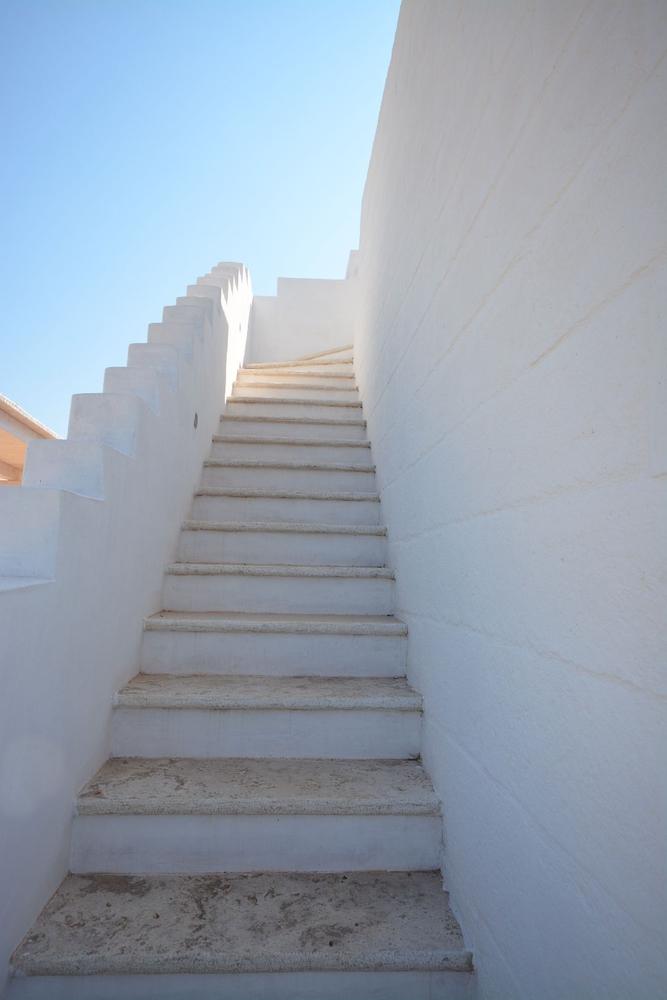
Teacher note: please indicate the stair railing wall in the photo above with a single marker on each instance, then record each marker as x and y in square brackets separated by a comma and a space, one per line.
[83, 545]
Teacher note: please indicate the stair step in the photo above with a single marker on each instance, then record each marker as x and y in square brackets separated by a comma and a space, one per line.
[322, 376]
[312, 476]
[236, 447]
[160, 715]
[208, 692]
[241, 814]
[300, 427]
[287, 505]
[275, 407]
[300, 391]
[359, 935]
[272, 644]
[281, 542]
[281, 589]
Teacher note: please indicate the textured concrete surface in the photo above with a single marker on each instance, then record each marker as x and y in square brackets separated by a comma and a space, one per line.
[262, 786]
[246, 491]
[250, 569]
[282, 526]
[231, 621]
[268, 464]
[295, 420]
[333, 443]
[244, 923]
[206, 691]
[298, 402]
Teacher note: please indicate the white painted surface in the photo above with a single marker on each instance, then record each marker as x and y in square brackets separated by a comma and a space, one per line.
[163, 732]
[83, 545]
[305, 317]
[250, 986]
[136, 845]
[510, 353]
[278, 593]
[271, 543]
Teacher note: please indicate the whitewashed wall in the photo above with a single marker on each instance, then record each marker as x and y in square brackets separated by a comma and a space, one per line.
[306, 316]
[511, 355]
[83, 547]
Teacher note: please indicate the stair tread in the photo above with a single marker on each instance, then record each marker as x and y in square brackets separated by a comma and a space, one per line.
[245, 491]
[294, 402]
[271, 786]
[287, 527]
[240, 418]
[110, 924]
[297, 385]
[238, 621]
[268, 463]
[211, 691]
[277, 373]
[299, 442]
[281, 570]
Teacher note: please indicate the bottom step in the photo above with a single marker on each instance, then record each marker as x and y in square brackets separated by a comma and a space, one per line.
[360, 935]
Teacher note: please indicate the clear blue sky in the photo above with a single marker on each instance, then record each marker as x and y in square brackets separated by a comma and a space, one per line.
[144, 140]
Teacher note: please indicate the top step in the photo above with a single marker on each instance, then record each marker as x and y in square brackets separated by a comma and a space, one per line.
[333, 356]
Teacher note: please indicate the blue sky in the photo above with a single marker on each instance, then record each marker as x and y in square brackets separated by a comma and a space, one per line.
[143, 140]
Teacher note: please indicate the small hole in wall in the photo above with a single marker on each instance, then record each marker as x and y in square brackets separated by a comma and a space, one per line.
[195, 421]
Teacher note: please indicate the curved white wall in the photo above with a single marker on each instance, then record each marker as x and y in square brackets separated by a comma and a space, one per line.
[83, 547]
[511, 355]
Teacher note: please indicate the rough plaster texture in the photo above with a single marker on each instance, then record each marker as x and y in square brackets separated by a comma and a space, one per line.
[272, 786]
[245, 923]
[83, 545]
[295, 693]
[511, 359]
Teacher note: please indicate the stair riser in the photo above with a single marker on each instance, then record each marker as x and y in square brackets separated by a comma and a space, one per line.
[339, 381]
[297, 431]
[142, 732]
[285, 510]
[384, 985]
[226, 450]
[289, 409]
[135, 845]
[283, 392]
[286, 548]
[279, 594]
[315, 480]
[273, 654]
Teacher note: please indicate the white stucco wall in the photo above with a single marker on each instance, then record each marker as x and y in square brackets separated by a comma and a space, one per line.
[307, 315]
[83, 547]
[510, 349]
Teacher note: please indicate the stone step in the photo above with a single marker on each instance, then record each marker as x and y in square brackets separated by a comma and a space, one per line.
[298, 428]
[357, 935]
[275, 407]
[187, 815]
[313, 476]
[338, 590]
[298, 376]
[288, 505]
[286, 391]
[276, 645]
[161, 715]
[276, 542]
[343, 450]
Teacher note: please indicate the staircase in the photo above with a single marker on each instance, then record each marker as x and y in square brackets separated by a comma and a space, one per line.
[264, 827]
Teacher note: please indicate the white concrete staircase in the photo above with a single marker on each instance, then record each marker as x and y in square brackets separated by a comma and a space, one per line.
[264, 827]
